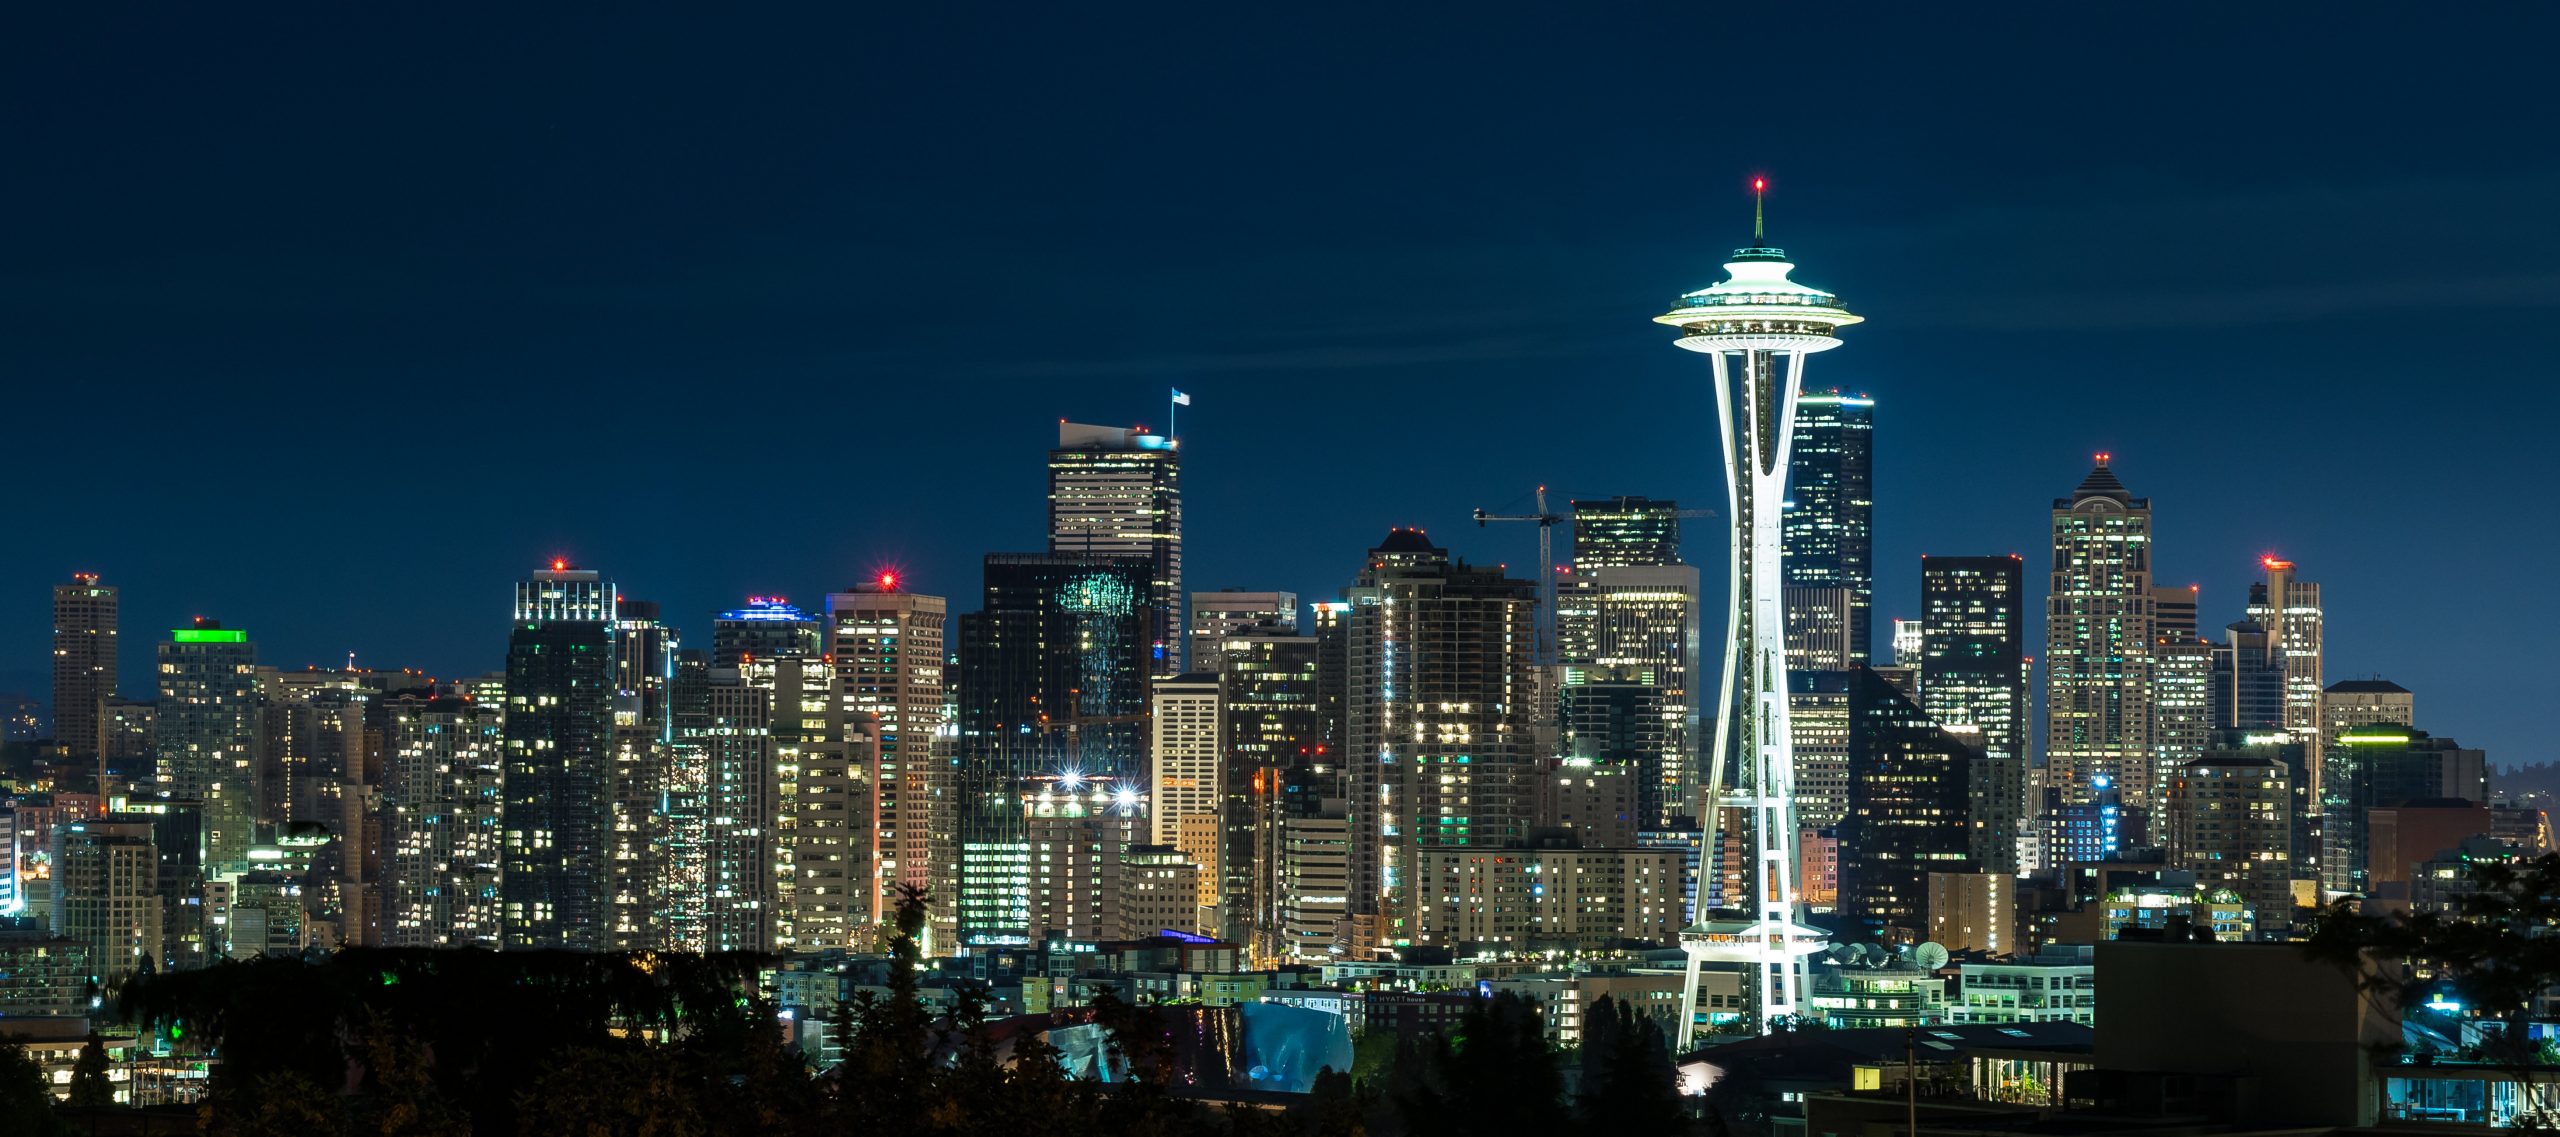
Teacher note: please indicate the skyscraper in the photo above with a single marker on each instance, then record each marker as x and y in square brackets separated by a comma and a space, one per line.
[1116, 492]
[1217, 615]
[2289, 609]
[1187, 754]
[644, 660]
[2098, 636]
[1053, 680]
[1973, 682]
[1910, 811]
[1625, 532]
[767, 626]
[1757, 327]
[2248, 679]
[208, 731]
[1636, 624]
[888, 649]
[2231, 824]
[1281, 764]
[1830, 514]
[1440, 660]
[84, 663]
[444, 758]
[557, 818]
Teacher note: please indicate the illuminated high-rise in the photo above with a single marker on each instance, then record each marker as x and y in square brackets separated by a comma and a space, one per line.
[1440, 659]
[887, 644]
[1117, 492]
[556, 881]
[84, 663]
[208, 731]
[1281, 765]
[1625, 532]
[1830, 520]
[2231, 822]
[1053, 671]
[644, 662]
[1756, 328]
[2099, 628]
[1973, 682]
[767, 626]
[2289, 609]
[443, 757]
[1226, 612]
[1636, 624]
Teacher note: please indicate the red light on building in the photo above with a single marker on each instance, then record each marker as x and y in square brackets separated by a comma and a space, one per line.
[559, 564]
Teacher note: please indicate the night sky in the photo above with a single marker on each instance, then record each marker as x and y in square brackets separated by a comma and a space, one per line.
[331, 322]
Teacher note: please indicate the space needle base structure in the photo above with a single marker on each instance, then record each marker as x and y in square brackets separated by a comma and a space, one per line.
[1756, 328]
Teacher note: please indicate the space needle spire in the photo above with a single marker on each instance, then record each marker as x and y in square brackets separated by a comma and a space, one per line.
[1756, 329]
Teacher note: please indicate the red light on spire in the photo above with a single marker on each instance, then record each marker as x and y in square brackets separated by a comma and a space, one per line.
[1759, 184]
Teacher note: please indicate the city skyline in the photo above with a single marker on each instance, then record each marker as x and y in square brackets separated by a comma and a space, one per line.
[2031, 252]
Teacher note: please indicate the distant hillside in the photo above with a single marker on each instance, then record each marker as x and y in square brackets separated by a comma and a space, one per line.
[2537, 780]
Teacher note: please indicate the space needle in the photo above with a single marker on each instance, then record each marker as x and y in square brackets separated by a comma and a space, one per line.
[1755, 327]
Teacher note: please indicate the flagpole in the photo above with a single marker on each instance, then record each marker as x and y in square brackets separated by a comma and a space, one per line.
[1172, 414]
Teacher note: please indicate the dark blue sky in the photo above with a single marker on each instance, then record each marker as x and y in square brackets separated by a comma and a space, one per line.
[329, 322]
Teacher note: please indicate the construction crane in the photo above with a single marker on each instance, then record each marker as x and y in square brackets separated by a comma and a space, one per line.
[1547, 520]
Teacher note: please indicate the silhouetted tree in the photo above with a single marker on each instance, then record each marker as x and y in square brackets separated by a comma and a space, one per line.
[26, 1106]
[90, 1088]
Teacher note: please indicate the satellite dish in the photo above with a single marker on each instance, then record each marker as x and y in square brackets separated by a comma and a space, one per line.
[1857, 953]
[1930, 956]
[1840, 953]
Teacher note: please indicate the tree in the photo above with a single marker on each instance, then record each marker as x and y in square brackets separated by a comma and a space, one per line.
[26, 1106]
[1629, 1082]
[1495, 1074]
[90, 1088]
[2495, 955]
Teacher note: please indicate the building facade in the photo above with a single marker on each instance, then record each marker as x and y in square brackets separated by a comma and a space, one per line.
[1830, 510]
[207, 730]
[556, 878]
[1440, 696]
[1117, 492]
[1973, 681]
[2098, 635]
[84, 663]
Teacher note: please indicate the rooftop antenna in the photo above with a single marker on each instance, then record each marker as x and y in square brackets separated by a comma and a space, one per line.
[1759, 191]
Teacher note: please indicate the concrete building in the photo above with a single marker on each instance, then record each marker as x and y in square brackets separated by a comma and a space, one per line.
[887, 644]
[1440, 684]
[1530, 899]
[84, 663]
[207, 729]
[2058, 983]
[438, 816]
[2291, 1040]
[1976, 912]
[1627, 638]
[1315, 882]
[1186, 755]
[2231, 823]
[1215, 616]
[107, 895]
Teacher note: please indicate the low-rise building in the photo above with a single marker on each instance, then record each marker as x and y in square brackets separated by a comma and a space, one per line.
[2057, 984]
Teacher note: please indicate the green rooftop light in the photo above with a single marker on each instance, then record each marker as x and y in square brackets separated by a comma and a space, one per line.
[208, 636]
